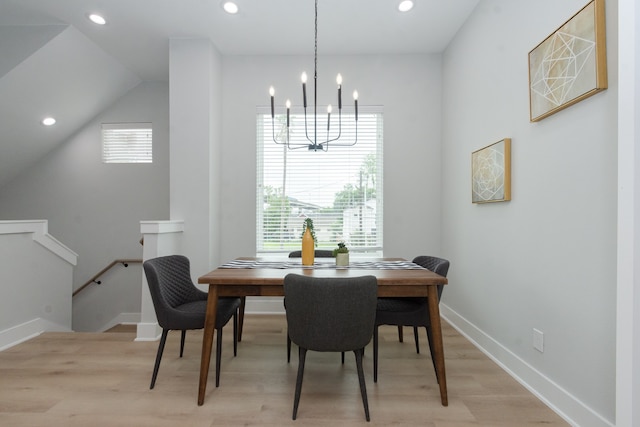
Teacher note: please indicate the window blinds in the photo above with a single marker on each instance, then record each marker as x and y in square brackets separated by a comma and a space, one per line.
[340, 189]
[127, 143]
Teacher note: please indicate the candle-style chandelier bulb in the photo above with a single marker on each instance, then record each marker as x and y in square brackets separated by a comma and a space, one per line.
[313, 142]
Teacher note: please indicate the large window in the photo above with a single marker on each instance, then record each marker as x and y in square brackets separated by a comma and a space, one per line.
[340, 189]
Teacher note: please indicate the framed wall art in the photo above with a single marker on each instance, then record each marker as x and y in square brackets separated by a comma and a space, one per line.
[569, 65]
[491, 173]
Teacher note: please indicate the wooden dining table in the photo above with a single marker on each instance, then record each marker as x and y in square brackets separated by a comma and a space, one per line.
[260, 277]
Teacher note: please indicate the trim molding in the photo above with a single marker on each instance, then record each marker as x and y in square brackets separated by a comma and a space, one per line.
[27, 330]
[551, 394]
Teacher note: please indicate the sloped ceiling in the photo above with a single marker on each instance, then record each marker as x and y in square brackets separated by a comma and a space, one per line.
[54, 61]
[68, 77]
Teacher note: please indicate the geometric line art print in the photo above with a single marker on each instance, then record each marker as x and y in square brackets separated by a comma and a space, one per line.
[570, 64]
[562, 63]
[491, 173]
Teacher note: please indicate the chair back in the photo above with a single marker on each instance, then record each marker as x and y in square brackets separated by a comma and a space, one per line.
[330, 314]
[170, 285]
[319, 253]
[437, 265]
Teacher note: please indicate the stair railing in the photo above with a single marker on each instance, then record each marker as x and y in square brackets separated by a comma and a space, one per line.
[95, 278]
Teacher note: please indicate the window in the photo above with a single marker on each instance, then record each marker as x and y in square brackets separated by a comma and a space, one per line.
[340, 189]
[127, 143]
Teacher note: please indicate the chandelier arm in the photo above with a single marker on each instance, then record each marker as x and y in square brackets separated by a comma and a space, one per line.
[306, 131]
[346, 144]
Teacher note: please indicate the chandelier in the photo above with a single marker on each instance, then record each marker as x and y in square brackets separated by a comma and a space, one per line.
[313, 141]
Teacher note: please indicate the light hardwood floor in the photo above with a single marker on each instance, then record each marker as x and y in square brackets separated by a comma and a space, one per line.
[81, 379]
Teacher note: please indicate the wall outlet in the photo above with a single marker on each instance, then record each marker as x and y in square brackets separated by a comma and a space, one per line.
[538, 340]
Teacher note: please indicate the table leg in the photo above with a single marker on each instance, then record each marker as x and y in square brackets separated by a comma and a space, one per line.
[207, 340]
[438, 350]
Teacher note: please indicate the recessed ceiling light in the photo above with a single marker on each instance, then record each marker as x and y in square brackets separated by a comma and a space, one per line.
[48, 121]
[405, 5]
[230, 7]
[97, 19]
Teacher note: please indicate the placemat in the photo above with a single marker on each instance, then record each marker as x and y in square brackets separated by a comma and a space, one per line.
[364, 265]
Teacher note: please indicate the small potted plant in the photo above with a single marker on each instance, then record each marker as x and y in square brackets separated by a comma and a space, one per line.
[341, 253]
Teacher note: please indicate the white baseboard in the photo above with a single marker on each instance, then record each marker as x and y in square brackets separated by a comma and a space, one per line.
[27, 330]
[148, 332]
[551, 394]
[264, 305]
[121, 319]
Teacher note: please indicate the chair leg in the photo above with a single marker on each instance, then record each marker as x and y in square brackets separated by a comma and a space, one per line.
[235, 334]
[288, 348]
[218, 355]
[415, 337]
[241, 318]
[163, 340]
[375, 354]
[400, 336]
[363, 386]
[302, 354]
[343, 357]
[182, 336]
[433, 360]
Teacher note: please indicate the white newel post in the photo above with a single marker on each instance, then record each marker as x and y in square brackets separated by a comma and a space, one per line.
[160, 238]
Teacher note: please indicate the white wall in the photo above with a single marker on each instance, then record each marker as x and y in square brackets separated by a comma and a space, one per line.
[35, 281]
[546, 259]
[409, 89]
[95, 208]
[195, 86]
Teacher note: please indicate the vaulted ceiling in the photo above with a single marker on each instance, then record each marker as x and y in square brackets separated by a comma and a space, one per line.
[53, 60]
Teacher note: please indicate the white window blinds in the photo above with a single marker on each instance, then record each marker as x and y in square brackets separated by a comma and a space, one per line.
[340, 189]
[127, 143]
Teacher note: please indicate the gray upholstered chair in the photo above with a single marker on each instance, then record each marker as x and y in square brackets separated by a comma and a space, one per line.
[319, 253]
[180, 305]
[409, 311]
[330, 314]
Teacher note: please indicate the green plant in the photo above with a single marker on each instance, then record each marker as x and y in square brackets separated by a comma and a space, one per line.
[341, 249]
[308, 224]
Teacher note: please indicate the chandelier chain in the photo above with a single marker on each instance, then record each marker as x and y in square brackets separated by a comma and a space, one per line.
[315, 46]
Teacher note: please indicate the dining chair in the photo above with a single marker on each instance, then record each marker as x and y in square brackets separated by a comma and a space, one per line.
[180, 305]
[318, 253]
[330, 314]
[409, 311]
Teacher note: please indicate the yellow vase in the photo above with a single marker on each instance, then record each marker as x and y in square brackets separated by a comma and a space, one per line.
[308, 248]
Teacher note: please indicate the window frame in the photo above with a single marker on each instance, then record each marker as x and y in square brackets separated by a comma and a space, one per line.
[124, 143]
[370, 227]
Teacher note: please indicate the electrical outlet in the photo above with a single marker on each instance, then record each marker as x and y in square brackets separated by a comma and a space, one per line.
[538, 340]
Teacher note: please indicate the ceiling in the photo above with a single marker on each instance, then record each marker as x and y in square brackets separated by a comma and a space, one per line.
[49, 50]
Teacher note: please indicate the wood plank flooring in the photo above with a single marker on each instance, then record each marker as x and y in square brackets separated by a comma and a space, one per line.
[84, 379]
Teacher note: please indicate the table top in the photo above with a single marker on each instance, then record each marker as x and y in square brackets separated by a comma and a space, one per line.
[275, 276]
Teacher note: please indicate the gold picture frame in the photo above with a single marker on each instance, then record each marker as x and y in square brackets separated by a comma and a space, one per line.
[569, 65]
[491, 173]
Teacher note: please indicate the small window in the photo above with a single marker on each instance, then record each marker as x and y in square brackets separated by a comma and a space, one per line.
[127, 143]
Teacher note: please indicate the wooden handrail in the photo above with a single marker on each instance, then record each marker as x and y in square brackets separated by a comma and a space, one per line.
[124, 262]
